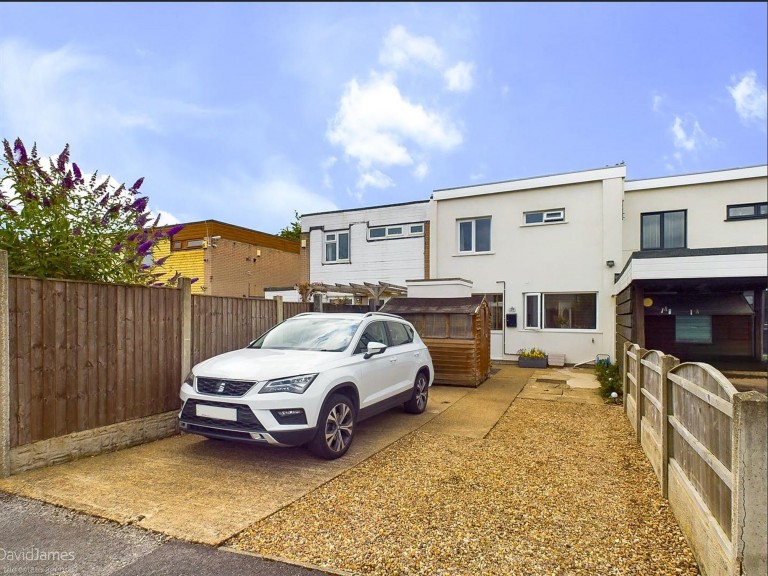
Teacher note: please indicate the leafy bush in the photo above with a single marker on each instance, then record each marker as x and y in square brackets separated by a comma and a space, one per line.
[55, 223]
[609, 377]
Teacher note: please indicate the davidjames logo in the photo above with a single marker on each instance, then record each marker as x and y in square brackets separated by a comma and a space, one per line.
[34, 554]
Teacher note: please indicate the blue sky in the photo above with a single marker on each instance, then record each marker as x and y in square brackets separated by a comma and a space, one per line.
[245, 112]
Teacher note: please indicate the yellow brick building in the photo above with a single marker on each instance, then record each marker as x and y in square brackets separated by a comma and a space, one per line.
[229, 260]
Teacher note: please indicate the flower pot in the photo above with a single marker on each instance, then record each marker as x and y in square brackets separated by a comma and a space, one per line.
[523, 362]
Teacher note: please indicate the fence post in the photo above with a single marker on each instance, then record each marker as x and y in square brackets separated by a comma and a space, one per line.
[639, 379]
[749, 530]
[5, 371]
[624, 369]
[185, 286]
[665, 392]
[280, 316]
[317, 300]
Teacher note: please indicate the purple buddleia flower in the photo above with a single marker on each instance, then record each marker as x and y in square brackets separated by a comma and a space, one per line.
[145, 266]
[113, 210]
[69, 182]
[8, 151]
[130, 260]
[47, 202]
[20, 153]
[194, 280]
[105, 220]
[142, 220]
[140, 204]
[117, 247]
[158, 284]
[103, 201]
[76, 231]
[61, 161]
[78, 174]
[136, 185]
[8, 208]
[119, 190]
[144, 247]
[161, 261]
[175, 230]
[133, 237]
[29, 195]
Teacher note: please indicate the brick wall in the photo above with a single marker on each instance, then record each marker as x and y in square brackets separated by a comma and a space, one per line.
[304, 258]
[189, 263]
[238, 269]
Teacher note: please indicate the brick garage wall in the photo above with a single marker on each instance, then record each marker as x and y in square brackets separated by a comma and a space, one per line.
[239, 269]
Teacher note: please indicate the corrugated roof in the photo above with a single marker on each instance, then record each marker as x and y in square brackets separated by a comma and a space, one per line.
[433, 305]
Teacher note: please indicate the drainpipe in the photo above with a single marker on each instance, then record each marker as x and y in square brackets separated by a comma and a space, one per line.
[503, 319]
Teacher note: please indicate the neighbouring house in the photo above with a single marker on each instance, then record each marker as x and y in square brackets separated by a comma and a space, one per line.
[230, 260]
[380, 245]
[542, 251]
[695, 260]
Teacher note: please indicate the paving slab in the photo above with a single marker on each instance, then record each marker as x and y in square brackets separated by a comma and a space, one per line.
[201, 490]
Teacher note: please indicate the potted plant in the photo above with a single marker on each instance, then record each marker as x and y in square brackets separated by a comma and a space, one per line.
[531, 358]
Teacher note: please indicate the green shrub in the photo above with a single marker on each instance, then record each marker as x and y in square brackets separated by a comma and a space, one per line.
[609, 377]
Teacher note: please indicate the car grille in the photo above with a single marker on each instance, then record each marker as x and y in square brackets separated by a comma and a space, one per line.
[246, 419]
[218, 387]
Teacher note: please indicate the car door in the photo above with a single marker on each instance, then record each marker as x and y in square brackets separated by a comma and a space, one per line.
[407, 354]
[377, 376]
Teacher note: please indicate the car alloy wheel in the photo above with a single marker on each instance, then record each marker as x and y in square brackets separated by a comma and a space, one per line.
[336, 428]
[418, 402]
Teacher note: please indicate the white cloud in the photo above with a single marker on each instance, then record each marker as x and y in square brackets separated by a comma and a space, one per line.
[459, 77]
[166, 218]
[326, 166]
[401, 50]
[374, 179]
[750, 97]
[421, 171]
[657, 101]
[692, 139]
[375, 125]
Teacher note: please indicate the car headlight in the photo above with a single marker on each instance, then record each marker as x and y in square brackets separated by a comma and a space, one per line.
[294, 384]
[190, 379]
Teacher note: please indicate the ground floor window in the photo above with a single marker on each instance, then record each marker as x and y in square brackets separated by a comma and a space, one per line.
[496, 304]
[561, 310]
[693, 329]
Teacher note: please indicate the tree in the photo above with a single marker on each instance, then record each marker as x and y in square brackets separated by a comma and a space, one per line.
[55, 224]
[293, 230]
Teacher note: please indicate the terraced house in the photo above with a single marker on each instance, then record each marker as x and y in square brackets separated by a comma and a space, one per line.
[578, 263]
[230, 260]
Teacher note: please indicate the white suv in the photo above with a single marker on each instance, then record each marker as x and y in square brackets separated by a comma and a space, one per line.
[309, 380]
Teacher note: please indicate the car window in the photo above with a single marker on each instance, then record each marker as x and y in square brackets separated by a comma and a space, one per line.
[374, 333]
[399, 333]
[310, 333]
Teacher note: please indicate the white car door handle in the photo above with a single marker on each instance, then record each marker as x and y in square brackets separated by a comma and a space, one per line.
[393, 360]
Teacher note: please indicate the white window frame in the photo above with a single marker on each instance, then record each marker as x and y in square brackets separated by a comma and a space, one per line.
[539, 325]
[406, 231]
[547, 216]
[335, 240]
[473, 235]
[537, 297]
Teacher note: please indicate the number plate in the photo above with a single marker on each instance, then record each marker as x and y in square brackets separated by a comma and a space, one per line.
[216, 412]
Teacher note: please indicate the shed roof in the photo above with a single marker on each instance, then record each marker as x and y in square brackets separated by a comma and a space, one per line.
[468, 305]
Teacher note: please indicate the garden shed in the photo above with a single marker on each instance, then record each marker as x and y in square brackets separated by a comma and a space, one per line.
[457, 333]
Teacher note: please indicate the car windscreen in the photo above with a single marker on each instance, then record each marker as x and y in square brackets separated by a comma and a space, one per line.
[310, 333]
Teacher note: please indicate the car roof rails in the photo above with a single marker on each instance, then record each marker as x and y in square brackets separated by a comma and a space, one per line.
[384, 314]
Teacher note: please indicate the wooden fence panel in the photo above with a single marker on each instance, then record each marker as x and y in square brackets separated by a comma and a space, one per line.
[85, 355]
[294, 308]
[222, 324]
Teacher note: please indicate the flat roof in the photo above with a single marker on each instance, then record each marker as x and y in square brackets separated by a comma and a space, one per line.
[367, 208]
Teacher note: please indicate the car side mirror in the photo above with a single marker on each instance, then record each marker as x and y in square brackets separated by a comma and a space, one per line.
[374, 348]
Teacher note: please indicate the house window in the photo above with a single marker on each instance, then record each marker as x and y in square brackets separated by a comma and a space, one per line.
[187, 244]
[337, 247]
[496, 306]
[693, 329]
[399, 231]
[561, 311]
[474, 235]
[661, 230]
[544, 216]
[748, 211]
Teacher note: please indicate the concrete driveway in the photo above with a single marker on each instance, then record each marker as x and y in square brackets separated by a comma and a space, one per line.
[206, 491]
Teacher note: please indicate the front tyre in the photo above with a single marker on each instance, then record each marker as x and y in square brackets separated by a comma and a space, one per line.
[418, 402]
[335, 428]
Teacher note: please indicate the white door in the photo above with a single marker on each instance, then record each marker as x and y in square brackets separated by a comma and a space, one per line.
[497, 345]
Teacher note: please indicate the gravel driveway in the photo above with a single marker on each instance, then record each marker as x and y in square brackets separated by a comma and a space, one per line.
[555, 488]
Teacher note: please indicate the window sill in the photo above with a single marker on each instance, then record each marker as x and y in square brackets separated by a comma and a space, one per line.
[474, 254]
[336, 262]
[535, 225]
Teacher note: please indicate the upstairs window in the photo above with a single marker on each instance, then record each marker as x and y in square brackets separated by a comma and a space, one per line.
[397, 231]
[544, 216]
[337, 247]
[474, 235]
[748, 211]
[663, 230]
[187, 244]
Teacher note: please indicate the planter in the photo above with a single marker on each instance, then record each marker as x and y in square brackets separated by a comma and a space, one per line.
[532, 362]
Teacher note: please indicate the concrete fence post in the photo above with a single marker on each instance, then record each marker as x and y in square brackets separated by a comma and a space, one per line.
[5, 371]
[186, 326]
[280, 316]
[749, 530]
[665, 396]
[317, 300]
[639, 378]
[624, 370]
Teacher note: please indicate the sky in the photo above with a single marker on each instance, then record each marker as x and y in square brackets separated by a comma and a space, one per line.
[247, 113]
